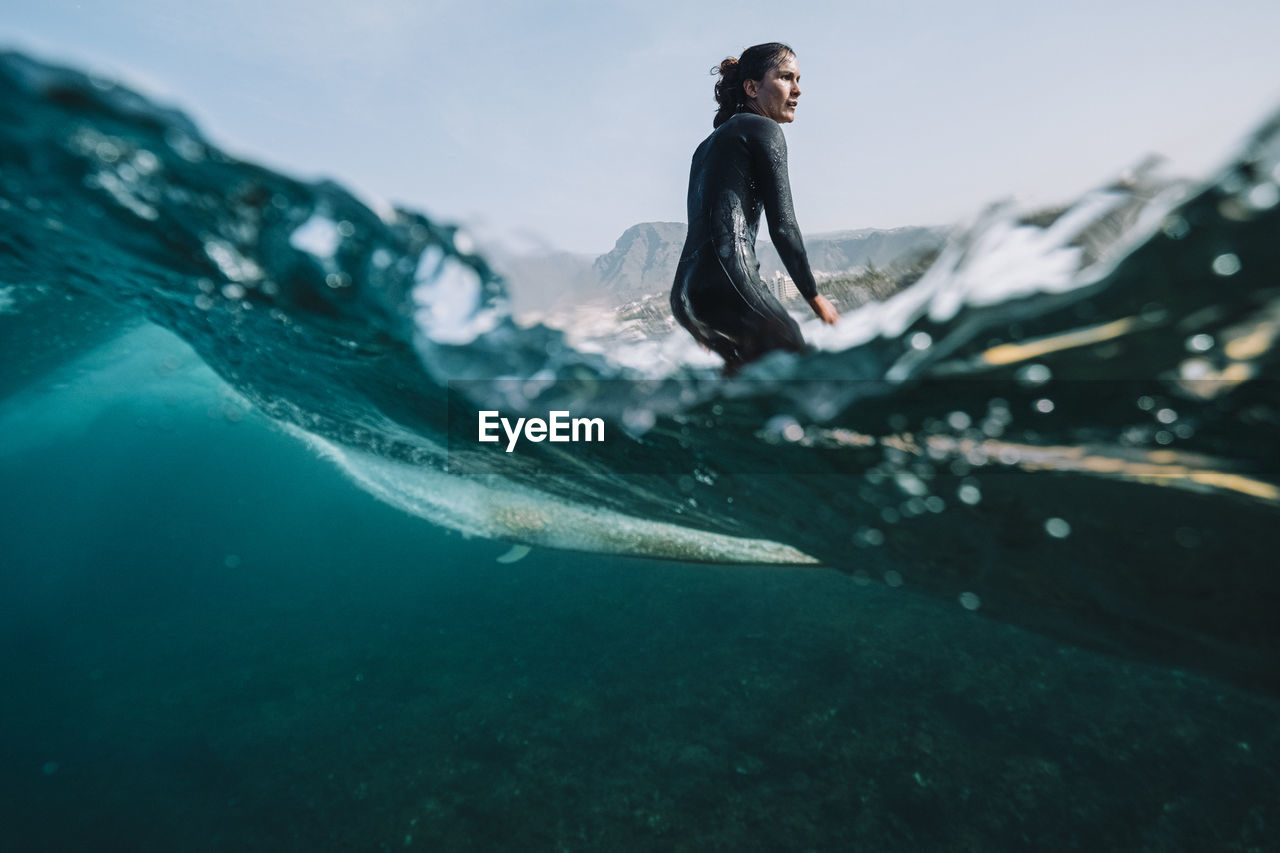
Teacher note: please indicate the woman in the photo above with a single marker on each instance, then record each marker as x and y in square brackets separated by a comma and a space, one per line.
[739, 171]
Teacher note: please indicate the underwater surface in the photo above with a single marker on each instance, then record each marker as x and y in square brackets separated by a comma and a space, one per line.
[991, 569]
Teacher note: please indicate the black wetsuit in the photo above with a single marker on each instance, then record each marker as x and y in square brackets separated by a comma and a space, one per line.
[739, 171]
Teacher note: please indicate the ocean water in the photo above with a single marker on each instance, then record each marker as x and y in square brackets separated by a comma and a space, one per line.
[992, 569]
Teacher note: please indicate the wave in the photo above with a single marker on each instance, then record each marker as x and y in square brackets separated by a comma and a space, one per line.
[1067, 423]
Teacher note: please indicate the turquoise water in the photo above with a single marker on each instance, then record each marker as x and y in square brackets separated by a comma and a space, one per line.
[238, 611]
[212, 641]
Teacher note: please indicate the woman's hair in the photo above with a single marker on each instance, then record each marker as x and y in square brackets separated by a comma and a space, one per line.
[755, 62]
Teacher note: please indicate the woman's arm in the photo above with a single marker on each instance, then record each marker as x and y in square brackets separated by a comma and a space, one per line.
[769, 148]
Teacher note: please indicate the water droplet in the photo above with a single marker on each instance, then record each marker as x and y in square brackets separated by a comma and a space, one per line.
[959, 421]
[1264, 196]
[1044, 405]
[1166, 416]
[920, 341]
[1033, 374]
[1200, 343]
[893, 579]
[1057, 528]
[785, 426]
[970, 601]
[638, 421]
[1175, 227]
[1226, 264]
[969, 494]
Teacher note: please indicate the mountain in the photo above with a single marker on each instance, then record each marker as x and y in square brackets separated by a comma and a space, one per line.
[643, 262]
[841, 252]
[644, 259]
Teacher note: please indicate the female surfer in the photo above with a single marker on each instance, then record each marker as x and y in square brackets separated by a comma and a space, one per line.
[739, 171]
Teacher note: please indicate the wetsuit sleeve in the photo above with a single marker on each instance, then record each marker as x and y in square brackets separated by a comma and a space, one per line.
[770, 154]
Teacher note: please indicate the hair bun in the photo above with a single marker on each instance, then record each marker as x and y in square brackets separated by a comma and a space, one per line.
[754, 63]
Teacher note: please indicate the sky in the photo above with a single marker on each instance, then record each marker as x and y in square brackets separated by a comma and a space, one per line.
[557, 125]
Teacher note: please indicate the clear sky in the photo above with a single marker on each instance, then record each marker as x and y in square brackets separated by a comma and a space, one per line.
[566, 122]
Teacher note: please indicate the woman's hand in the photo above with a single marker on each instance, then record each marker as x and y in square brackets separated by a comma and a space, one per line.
[824, 309]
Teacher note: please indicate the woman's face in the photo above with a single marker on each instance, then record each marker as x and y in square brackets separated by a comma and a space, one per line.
[776, 95]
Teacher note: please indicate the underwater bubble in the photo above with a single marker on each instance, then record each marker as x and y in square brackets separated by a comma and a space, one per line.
[1032, 375]
[145, 162]
[345, 228]
[935, 504]
[893, 579]
[463, 243]
[204, 302]
[970, 601]
[233, 291]
[786, 426]
[910, 483]
[1044, 405]
[1057, 528]
[638, 421]
[1194, 368]
[960, 467]
[1226, 264]
[920, 341]
[1183, 431]
[969, 494]
[890, 515]
[1264, 196]
[1146, 403]
[107, 152]
[1166, 416]
[1175, 227]
[872, 536]
[861, 577]
[959, 421]
[1164, 437]
[1200, 343]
